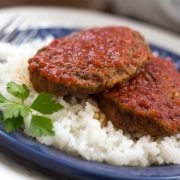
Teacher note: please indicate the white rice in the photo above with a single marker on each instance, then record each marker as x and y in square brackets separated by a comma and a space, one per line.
[77, 131]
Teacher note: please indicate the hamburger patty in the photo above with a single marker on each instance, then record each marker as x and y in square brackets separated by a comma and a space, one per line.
[149, 103]
[89, 61]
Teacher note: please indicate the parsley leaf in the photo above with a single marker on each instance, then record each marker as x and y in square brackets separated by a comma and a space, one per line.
[2, 98]
[1, 116]
[13, 110]
[41, 126]
[19, 91]
[45, 103]
[14, 113]
[12, 124]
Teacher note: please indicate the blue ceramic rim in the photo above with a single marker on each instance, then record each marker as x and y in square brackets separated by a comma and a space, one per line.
[44, 161]
[68, 161]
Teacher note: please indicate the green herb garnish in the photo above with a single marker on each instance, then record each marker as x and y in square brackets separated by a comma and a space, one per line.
[14, 112]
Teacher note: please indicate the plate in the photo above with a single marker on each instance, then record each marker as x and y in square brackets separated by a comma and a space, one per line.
[68, 165]
[60, 22]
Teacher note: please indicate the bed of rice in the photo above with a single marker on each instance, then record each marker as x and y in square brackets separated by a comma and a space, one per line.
[77, 127]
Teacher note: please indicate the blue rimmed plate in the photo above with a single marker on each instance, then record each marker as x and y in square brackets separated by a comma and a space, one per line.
[77, 167]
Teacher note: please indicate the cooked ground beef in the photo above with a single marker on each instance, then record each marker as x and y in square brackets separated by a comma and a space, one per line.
[89, 61]
[149, 103]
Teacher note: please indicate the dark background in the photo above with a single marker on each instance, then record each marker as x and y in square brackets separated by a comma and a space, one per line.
[159, 13]
[88, 4]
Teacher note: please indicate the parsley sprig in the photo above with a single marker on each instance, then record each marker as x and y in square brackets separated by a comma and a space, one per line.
[14, 112]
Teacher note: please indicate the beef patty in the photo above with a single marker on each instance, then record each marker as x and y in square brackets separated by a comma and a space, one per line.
[149, 103]
[89, 61]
